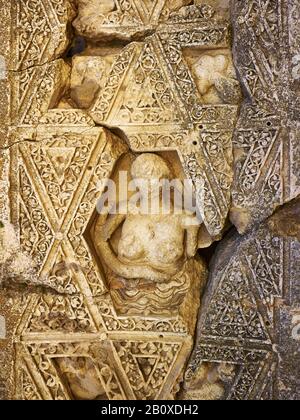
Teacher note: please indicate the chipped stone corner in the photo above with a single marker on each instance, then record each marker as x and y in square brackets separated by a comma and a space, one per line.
[15, 265]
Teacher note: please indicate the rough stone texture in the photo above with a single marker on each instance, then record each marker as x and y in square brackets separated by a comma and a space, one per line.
[36, 90]
[154, 87]
[2, 327]
[6, 353]
[114, 19]
[88, 76]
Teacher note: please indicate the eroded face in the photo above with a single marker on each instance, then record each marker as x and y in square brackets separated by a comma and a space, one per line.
[208, 69]
[82, 378]
[149, 172]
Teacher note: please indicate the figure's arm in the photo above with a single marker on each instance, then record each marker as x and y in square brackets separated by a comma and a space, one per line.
[192, 241]
[111, 225]
[192, 226]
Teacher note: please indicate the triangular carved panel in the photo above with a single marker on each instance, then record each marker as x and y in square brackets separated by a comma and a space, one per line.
[148, 366]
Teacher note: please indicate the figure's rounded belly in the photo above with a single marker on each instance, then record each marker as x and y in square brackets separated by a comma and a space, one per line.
[156, 254]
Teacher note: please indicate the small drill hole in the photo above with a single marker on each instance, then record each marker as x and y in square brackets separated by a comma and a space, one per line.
[195, 143]
[201, 126]
[269, 123]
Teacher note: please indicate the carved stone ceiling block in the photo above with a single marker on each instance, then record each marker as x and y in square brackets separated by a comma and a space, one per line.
[116, 19]
[151, 94]
[40, 31]
[36, 90]
[266, 137]
[104, 305]
[249, 326]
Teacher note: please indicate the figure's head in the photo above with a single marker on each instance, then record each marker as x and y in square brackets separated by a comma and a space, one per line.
[149, 172]
[149, 166]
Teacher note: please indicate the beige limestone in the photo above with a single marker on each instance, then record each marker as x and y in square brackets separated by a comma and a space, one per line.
[37, 90]
[151, 252]
[88, 76]
[105, 306]
[266, 152]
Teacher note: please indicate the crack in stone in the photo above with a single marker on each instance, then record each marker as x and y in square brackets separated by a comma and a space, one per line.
[16, 143]
[21, 286]
[35, 66]
[35, 139]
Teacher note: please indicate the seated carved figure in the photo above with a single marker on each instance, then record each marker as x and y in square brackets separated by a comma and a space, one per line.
[155, 254]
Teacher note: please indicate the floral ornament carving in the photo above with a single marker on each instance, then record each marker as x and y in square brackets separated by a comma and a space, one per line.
[266, 164]
[152, 94]
[41, 31]
[151, 86]
[241, 311]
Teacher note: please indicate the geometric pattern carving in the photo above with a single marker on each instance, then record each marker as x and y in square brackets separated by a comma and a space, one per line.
[157, 75]
[40, 29]
[127, 21]
[58, 156]
[267, 158]
[238, 324]
[57, 181]
[148, 366]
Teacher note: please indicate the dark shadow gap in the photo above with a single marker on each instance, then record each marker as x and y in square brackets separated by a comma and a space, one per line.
[77, 46]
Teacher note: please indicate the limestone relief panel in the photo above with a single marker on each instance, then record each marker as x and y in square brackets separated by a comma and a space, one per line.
[248, 347]
[136, 134]
[266, 150]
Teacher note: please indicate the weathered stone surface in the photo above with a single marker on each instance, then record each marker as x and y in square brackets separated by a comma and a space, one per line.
[151, 267]
[6, 351]
[285, 222]
[114, 19]
[37, 90]
[88, 76]
[4, 107]
[53, 209]
[159, 108]
[266, 145]
[2, 327]
[249, 322]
